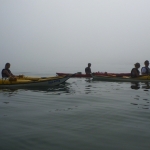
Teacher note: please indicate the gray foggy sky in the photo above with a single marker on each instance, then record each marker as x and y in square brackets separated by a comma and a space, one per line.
[48, 33]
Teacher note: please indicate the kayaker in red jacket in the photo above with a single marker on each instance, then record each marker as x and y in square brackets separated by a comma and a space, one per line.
[88, 69]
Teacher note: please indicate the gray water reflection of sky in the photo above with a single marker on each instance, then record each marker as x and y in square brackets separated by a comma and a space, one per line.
[55, 33]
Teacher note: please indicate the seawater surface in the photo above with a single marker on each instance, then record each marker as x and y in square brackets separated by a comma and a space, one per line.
[80, 115]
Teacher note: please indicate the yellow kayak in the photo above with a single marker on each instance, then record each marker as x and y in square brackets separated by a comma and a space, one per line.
[33, 81]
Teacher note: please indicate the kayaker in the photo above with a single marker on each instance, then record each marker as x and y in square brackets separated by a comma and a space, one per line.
[6, 72]
[135, 72]
[145, 70]
[88, 69]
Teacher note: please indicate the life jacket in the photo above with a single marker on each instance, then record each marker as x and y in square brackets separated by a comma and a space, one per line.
[88, 70]
[5, 75]
[132, 74]
[147, 70]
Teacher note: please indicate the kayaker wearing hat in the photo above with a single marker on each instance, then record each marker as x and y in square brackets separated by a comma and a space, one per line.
[88, 69]
[135, 72]
[145, 70]
[6, 72]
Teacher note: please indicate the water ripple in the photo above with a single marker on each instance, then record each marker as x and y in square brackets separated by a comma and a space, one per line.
[81, 114]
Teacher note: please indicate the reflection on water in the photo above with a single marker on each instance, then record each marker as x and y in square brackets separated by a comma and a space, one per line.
[8, 92]
[63, 88]
[143, 85]
[82, 86]
[135, 86]
[82, 114]
[140, 101]
[146, 85]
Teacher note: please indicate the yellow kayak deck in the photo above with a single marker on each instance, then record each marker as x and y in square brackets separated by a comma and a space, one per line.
[27, 79]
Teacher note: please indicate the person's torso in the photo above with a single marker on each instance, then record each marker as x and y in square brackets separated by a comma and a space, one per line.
[4, 75]
[88, 70]
[133, 75]
[147, 70]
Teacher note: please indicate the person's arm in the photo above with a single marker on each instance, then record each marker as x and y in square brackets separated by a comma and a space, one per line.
[90, 70]
[86, 71]
[8, 74]
[12, 75]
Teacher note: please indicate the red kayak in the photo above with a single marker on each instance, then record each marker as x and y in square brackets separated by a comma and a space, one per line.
[79, 74]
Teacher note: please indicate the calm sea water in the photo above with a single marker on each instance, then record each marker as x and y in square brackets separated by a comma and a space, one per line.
[79, 115]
